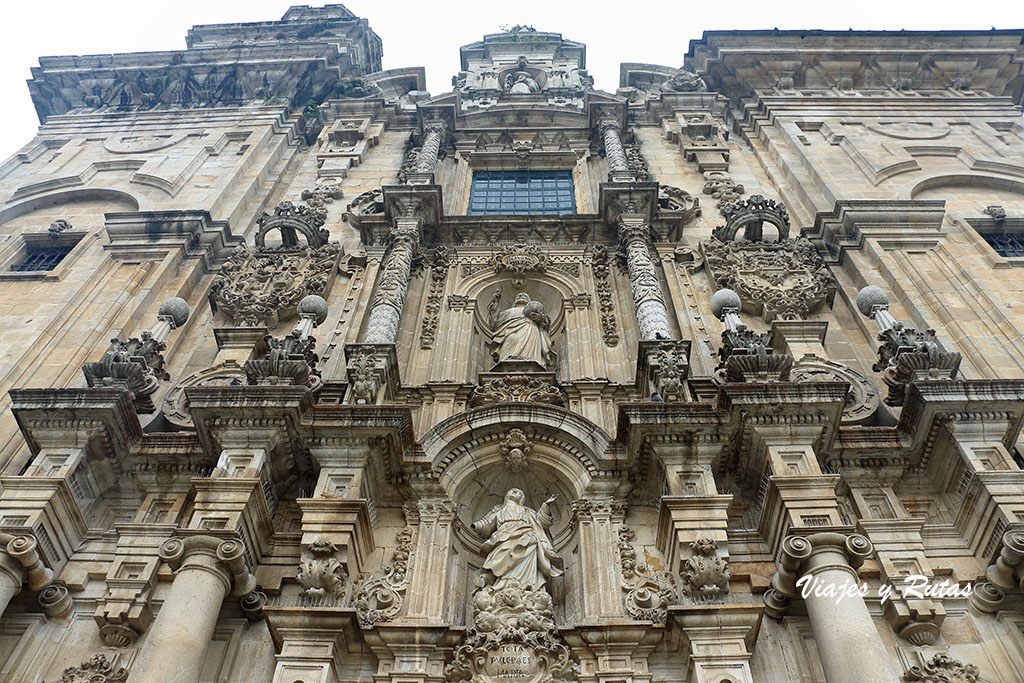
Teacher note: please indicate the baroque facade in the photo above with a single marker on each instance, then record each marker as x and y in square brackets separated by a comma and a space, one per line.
[310, 376]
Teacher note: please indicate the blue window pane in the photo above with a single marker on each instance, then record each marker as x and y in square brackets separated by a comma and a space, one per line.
[522, 192]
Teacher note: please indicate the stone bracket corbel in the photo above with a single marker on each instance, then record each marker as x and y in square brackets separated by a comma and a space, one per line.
[372, 371]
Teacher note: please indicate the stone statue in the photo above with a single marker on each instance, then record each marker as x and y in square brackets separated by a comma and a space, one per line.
[522, 83]
[520, 332]
[517, 543]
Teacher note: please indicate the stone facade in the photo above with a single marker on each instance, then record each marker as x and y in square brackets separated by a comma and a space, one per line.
[279, 403]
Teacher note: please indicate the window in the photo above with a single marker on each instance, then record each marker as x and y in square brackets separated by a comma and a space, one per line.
[1008, 244]
[522, 192]
[39, 258]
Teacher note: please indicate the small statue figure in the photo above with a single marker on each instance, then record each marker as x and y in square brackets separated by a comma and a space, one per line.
[517, 544]
[520, 332]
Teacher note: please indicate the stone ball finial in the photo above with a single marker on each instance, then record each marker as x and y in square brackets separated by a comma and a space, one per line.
[176, 309]
[723, 299]
[869, 297]
[315, 306]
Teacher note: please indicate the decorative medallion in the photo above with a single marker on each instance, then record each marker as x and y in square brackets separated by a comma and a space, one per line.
[516, 448]
[96, 669]
[647, 593]
[705, 574]
[520, 259]
[378, 598]
[175, 405]
[861, 401]
[942, 669]
[518, 389]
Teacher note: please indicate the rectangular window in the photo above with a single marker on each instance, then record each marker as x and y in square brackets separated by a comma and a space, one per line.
[1008, 244]
[41, 258]
[522, 192]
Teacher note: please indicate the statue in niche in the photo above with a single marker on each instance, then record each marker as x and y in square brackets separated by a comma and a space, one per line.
[520, 332]
[521, 82]
[517, 545]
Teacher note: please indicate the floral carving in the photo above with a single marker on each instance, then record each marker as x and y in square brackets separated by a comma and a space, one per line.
[136, 365]
[520, 259]
[412, 156]
[516, 448]
[606, 301]
[263, 285]
[517, 388]
[289, 361]
[648, 593]
[785, 278]
[324, 192]
[671, 367]
[322, 576]
[378, 598]
[942, 669]
[96, 669]
[510, 618]
[363, 375]
[705, 575]
[722, 188]
[636, 162]
[438, 276]
[996, 213]
[907, 354]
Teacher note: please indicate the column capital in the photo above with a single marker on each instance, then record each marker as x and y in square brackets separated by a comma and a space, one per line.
[225, 558]
[813, 554]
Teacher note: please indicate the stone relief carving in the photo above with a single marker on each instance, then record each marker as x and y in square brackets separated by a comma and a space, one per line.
[322, 576]
[379, 598]
[520, 332]
[389, 297]
[683, 80]
[175, 404]
[786, 278]
[648, 592]
[674, 200]
[136, 365]
[516, 448]
[747, 356]
[722, 188]
[705, 574]
[263, 285]
[520, 259]
[996, 213]
[671, 367]
[651, 313]
[750, 215]
[409, 162]
[60, 225]
[362, 371]
[942, 669]
[96, 669]
[369, 203]
[290, 360]
[513, 634]
[861, 401]
[324, 192]
[907, 354]
[438, 276]
[637, 163]
[606, 301]
[518, 389]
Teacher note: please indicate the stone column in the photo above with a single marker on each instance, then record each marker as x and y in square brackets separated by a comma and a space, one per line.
[618, 165]
[594, 519]
[433, 136]
[175, 647]
[635, 241]
[389, 300]
[20, 561]
[825, 564]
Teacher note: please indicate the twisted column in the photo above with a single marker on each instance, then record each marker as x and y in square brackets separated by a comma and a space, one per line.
[206, 568]
[651, 313]
[823, 568]
[389, 300]
[433, 135]
[613, 151]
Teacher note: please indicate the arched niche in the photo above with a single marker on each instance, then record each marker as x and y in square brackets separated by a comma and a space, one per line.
[465, 455]
[967, 191]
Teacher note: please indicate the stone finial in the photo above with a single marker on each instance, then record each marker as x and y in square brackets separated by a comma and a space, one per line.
[871, 297]
[722, 300]
[314, 306]
[176, 309]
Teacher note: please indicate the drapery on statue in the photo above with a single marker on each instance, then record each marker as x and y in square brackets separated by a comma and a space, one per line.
[517, 544]
[520, 332]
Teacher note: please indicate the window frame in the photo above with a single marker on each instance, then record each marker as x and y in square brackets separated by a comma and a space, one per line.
[554, 186]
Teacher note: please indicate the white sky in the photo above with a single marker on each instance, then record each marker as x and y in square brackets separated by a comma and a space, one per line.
[428, 33]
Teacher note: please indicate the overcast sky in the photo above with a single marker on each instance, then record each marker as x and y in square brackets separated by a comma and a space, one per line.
[428, 33]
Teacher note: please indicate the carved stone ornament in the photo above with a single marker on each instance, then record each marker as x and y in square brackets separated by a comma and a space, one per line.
[438, 277]
[786, 278]
[906, 355]
[996, 213]
[369, 203]
[323, 578]
[750, 215]
[519, 259]
[289, 361]
[605, 299]
[96, 669]
[942, 669]
[175, 404]
[722, 188]
[678, 202]
[517, 389]
[648, 593]
[364, 376]
[862, 399]
[671, 367]
[705, 574]
[136, 365]
[683, 80]
[516, 448]
[378, 598]
[324, 192]
[636, 162]
[60, 225]
[513, 637]
[263, 285]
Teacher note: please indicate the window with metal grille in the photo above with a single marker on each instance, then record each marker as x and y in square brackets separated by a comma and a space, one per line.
[522, 192]
[1008, 244]
[42, 258]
